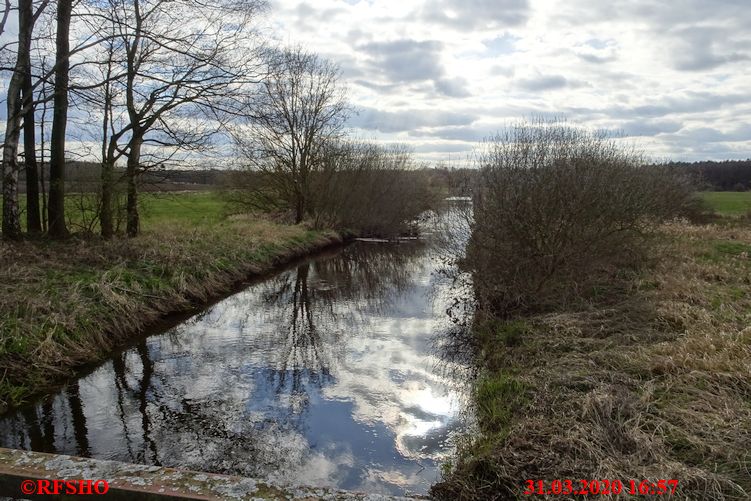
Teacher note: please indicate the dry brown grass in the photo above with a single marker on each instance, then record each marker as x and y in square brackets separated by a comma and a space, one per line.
[63, 304]
[656, 385]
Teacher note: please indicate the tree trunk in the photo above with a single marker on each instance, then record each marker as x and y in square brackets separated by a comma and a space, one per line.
[134, 154]
[134, 157]
[43, 190]
[11, 221]
[33, 219]
[108, 164]
[42, 166]
[11, 225]
[299, 208]
[105, 218]
[56, 203]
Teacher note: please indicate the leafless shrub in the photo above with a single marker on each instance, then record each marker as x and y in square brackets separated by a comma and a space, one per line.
[555, 206]
[354, 186]
[368, 189]
[652, 385]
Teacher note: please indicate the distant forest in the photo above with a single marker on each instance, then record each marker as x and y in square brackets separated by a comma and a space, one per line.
[728, 175]
[85, 177]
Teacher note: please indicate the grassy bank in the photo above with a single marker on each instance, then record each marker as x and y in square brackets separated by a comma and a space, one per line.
[63, 304]
[650, 379]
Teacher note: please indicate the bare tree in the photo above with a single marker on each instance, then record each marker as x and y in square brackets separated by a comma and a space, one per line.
[11, 225]
[44, 103]
[33, 218]
[298, 109]
[163, 75]
[56, 202]
[109, 149]
[101, 106]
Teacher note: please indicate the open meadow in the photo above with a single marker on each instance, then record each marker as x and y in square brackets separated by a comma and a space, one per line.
[730, 203]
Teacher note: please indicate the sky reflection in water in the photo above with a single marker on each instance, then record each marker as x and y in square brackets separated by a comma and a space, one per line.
[322, 375]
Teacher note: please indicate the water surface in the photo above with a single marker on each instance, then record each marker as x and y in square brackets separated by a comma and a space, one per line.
[321, 375]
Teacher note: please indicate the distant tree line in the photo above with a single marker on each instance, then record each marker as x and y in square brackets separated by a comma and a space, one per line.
[85, 177]
[727, 175]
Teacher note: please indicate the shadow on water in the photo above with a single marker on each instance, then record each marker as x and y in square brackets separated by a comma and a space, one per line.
[324, 374]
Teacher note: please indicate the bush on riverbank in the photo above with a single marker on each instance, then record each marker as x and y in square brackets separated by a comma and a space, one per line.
[355, 187]
[63, 304]
[557, 210]
[370, 190]
[611, 341]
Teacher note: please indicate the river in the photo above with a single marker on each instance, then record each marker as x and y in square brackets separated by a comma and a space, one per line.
[324, 374]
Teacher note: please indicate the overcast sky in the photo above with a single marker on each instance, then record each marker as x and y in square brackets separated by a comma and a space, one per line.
[672, 75]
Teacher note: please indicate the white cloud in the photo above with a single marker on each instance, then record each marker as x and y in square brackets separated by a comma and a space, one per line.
[652, 70]
[440, 74]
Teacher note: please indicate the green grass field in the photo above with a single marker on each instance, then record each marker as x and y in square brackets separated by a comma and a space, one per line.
[207, 207]
[728, 203]
[194, 208]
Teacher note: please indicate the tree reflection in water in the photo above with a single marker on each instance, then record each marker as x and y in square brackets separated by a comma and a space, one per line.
[264, 382]
[316, 321]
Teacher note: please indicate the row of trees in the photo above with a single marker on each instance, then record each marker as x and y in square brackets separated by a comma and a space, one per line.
[154, 81]
[160, 73]
[728, 175]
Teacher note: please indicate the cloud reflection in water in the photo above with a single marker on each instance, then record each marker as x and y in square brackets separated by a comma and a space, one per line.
[321, 375]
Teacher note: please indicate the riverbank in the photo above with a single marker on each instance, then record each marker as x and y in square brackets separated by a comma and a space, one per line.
[651, 380]
[67, 304]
